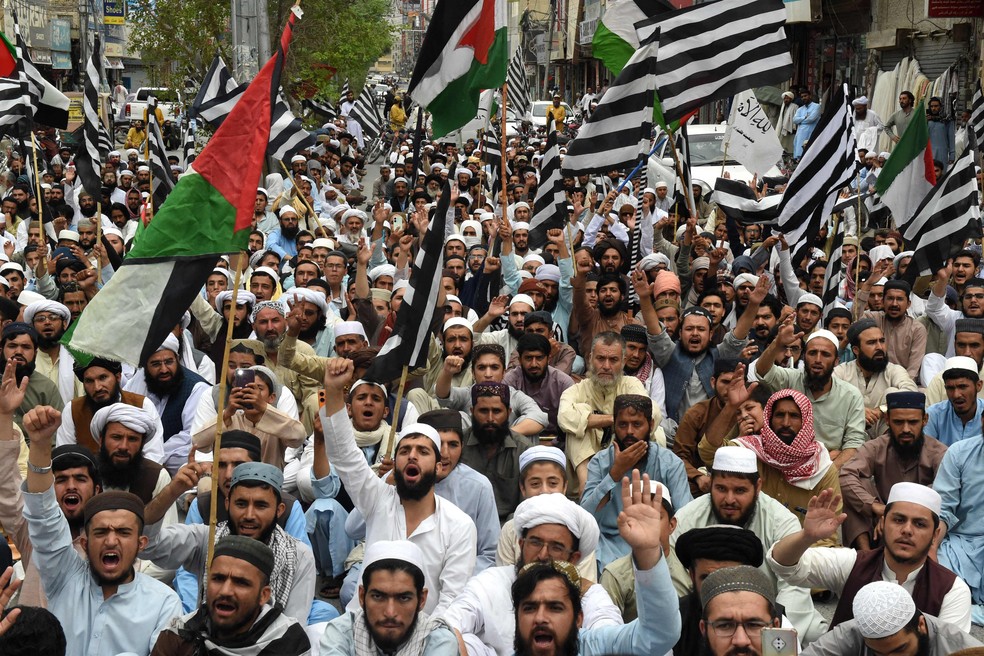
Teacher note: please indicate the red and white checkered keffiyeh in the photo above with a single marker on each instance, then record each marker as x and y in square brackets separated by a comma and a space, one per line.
[797, 461]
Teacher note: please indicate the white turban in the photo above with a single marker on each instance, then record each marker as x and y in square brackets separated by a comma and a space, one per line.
[359, 214]
[743, 278]
[136, 419]
[46, 306]
[522, 298]
[382, 270]
[556, 508]
[474, 225]
[242, 298]
[170, 344]
[653, 260]
[533, 257]
[343, 328]
[308, 295]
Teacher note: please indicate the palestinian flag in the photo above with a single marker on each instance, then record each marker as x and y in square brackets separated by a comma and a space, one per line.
[8, 57]
[908, 174]
[464, 51]
[208, 214]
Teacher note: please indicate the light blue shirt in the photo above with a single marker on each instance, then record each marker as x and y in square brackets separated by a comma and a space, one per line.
[339, 639]
[281, 245]
[805, 119]
[947, 427]
[472, 492]
[128, 621]
[960, 483]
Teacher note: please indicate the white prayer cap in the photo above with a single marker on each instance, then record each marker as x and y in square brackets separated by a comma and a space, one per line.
[486, 216]
[522, 298]
[655, 486]
[267, 271]
[918, 494]
[46, 306]
[134, 418]
[170, 344]
[743, 278]
[401, 179]
[879, 253]
[653, 260]
[788, 94]
[3, 281]
[661, 185]
[884, 155]
[242, 298]
[825, 334]
[143, 169]
[533, 257]
[45, 185]
[112, 230]
[382, 270]
[882, 609]
[456, 321]
[421, 429]
[261, 190]
[70, 235]
[520, 225]
[287, 209]
[648, 190]
[809, 298]
[343, 328]
[298, 158]
[339, 209]
[540, 453]
[402, 550]
[451, 298]
[12, 266]
[454, 237]
[901, 256]
[322, 242]
[359, 214]
[132, 151]
[310, 296]
[463, 171]
[736, 460]
[962, 363]
[860, 100]
[115, 153]
[400, 284]
[556, 508]
[549, 272]
[363, 381]
[126, 172]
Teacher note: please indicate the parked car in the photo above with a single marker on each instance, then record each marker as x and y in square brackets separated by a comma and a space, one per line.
[168, 101]
[539, 112]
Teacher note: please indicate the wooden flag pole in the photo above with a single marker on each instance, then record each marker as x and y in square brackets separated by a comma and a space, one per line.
[502, 149]
[99, 234]
[311, 214]
[396, 412]
[724, 158]
[857, 258]
[220, 409]
[40, 200]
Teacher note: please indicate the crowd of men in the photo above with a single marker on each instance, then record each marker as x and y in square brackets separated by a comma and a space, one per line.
[646, 435]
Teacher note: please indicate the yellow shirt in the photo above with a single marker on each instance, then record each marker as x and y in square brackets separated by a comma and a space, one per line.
[559, 114]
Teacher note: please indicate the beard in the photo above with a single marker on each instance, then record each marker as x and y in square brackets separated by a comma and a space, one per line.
[311, 333]
[264, 536]
[95, 406]
[164, 388]
[608, 312]
[640, 463]
[569, 646]
[742, 520]
[119, 476]
[604, 384]
[104, 581]
[874, 365]
[815, 382]
[732, 651]
[46, 343]
[291, 232]
[490, 434]
[271, 344]
[515, 332]
[386, 645]
[537, 378]
[88, 211]
[414, 491]
[21, 370]
[786, 435]
[909, 451]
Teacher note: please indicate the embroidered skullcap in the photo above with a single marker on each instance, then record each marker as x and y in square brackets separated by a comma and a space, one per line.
[742, 578]
[639, 402]
[240, 439]
[401, 550]
[826, 334]
[46, 306]
[242, 298]
[903, 400]
[136, 419]
[456, 321]
[252, 551]
[382, 270]
[275, 386]
[541, 453]
[721, 542]
[522, 298]
[735, 460]
[490, 388]
[922, 495]
[550, 272]
[113, 500]
[813, 299]
[882, 609]
[633, 332]
[69, 456]
[961, 367]
[556, 508]
[420, 429]
[280, 307]
[745, 278]
[260, 472]
[530, 285]
[343, 328]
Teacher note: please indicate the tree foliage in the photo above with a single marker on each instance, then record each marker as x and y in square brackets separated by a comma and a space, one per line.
[178, 38]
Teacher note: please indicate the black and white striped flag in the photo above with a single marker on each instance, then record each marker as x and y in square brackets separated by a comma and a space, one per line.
[188, 145]
[322, 108]
[160, 170]
[550, 205]
[409, 342]
[834, 274]
[14, 119]
[738, 201]
[367, 114]
[48, 106]
[492, 155]
[287, 133]
[518, 95]
[977, 114]
[717, 49]
[828, 165]
[946, 218]
[89, 159]
[343, 94]
[618, 132]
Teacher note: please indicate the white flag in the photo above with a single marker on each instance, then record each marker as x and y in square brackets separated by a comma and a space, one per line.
[750, 138]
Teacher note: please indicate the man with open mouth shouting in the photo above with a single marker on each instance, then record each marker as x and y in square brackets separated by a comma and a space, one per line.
[104, 605]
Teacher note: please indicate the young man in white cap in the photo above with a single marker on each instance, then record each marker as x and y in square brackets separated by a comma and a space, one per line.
[838, 407]
[910, 529]
[959, 417]
[735, 499]
[887, 621]
[50, 320]
[551, 527]
[410, 510]
[391, 616]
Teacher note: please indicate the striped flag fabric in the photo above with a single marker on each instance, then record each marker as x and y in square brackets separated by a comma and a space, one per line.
[828, 165]
[188, 145]
[738, 201]
[550, 204]
[878, 211]
[208, 214]
[977, 114]
[492, 155]
[715, 50]
[409, 342]
[49, 106]
[834, 274]
[88, 161]
[617, 133]
[343, 94]
[948, 216]
[518, 94]
[287, 133]
[322, 108]
[367, 114]
[162, 178]
[13, 109]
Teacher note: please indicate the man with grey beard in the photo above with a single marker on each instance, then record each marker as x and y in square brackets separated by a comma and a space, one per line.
[586, 409]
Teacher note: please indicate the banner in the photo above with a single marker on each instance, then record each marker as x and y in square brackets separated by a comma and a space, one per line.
[114, 12]
[750, 138]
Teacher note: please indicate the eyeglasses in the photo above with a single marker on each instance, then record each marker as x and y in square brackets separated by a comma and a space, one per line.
[46, 318]
[556, 550]
[334, 266]
[979, 296]
[157, 364]
[727, 628]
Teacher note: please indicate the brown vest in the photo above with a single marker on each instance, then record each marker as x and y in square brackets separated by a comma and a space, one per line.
[82, 415]
[932, 584]
[143, 487]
